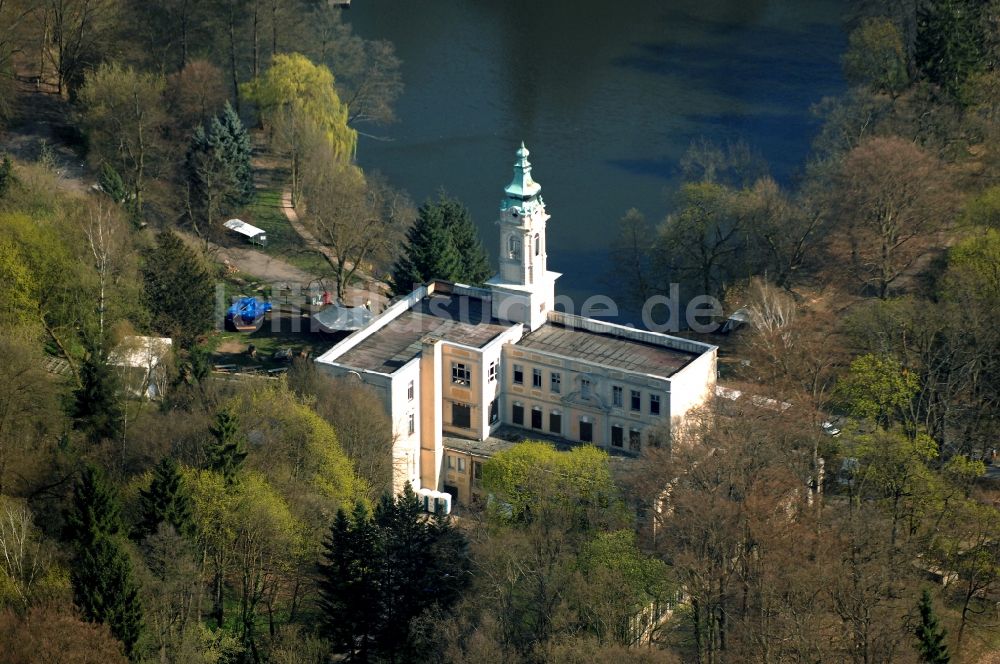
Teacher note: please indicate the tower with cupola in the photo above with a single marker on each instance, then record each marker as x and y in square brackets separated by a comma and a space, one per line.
[524, 289]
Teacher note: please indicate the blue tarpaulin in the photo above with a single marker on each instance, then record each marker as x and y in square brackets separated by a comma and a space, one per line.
[247, 311]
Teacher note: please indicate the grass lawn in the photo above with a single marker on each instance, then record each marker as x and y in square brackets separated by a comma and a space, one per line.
[282, 240]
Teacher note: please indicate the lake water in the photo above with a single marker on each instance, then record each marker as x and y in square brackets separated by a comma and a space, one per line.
[606, 95]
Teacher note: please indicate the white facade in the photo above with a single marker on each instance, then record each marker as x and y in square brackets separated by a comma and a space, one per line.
[515, 362]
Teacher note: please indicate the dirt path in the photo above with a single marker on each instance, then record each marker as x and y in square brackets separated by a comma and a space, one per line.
[373, 291]
[40, 119]
[253, 262]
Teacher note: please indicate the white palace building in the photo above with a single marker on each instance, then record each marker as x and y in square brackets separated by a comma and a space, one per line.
[464, 372]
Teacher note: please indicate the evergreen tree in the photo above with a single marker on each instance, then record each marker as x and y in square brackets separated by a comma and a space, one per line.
[227, 451]
[430, 251]
[166, 501]
[401, 563]
[97, 408]
[930, 637]
[235, 141]
[178, 289]
[112, 184]
[950, 42]
[101, 574]
[210, 179]
[475, 265]
[350, 578]
[7, 175]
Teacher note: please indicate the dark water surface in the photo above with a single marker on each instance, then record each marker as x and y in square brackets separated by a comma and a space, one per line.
[606, 95]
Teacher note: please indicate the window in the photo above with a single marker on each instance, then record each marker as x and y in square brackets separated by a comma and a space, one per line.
[538, 244]
[654, 404]
[536, 418]
[461, 465]
[518, 374]
[412, 423]
[494, 411]
[493, 371]
[616, 395]
[536, 378]
[461, 416]
[555, 382]
[586, 431]
[409, 391]
[555, 422]
[460, 374]
[513, 247]
[634, 438]
[617, 435]
[585, 387]
[518, 414]
[477, 470]
[636, 400]
[451, 461]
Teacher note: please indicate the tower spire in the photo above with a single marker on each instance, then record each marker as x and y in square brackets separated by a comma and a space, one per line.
[522, 187]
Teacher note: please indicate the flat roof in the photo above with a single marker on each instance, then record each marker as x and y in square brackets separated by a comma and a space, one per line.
[608, 349]
[507, 436]
[243, 228]
[461, 319]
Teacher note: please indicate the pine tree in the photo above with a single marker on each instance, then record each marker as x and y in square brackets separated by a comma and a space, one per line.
[350, 577]
[930, 637]
[7, 175]
[97, 408]
[227, 451]
[112, 184]
[950, 42]
[475, 267]
[430, 252]
[381, 571]
[101, 574]
[166, 501]
[179, 292]
[237, 148]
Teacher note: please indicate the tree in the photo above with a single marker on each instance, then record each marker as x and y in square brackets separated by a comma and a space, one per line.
[930, 637]
[50, 634]
[238, 151]
[950, 42]
[358, 219]
[381, 571]
[210, 181]
[533, 481]
[631, 256]
[178, 289]
[475, 265]
[195, 93]
[101, 575]
[430, 251]
[891, 197]
[97, 409]
[699, 241]
[25, 562]
[298, 103]
[123, 115]
[358, 417]
[82, 33]
[876, 57]
[878, 388]
[226, 452]
[166, 501]
[349, 583]
[7, 175]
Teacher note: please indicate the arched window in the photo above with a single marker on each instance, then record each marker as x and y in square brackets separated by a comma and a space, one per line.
[513, 247]
[538, 244]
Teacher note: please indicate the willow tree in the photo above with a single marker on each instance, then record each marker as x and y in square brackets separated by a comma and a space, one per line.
[298, 104]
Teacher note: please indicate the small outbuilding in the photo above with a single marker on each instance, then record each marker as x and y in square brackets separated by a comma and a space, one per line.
[253, 234]
[141, 364]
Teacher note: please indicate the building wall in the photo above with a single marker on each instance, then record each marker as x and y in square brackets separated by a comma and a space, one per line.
[572, 402]
[459, 475]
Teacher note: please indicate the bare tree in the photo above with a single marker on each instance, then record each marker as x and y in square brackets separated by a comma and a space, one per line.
[22, 558]
[891, 197]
